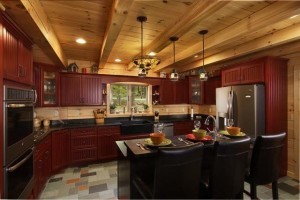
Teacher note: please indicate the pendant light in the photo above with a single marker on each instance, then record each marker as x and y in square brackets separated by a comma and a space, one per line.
[174, 74]
[203, 74]
[144, 62]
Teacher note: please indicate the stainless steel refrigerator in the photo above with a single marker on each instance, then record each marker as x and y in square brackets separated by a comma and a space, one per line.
[243, 103]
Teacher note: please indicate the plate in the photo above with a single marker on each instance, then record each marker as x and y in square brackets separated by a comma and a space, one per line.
[241, 134]
[206, 140]
[165, 142]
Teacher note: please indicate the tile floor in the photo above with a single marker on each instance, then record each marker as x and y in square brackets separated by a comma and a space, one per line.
[99, 181]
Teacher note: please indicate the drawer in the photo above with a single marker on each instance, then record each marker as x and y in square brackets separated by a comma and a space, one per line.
[83, 155]
[83, 131]
[85, 141]
[109, 130]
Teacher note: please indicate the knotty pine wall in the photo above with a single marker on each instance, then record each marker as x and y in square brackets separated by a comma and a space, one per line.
[293, 114]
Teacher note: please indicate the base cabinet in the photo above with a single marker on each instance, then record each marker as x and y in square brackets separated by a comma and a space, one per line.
[83, 145]
[183, 127]
[60, 149]
[42, 164]
[107, 137]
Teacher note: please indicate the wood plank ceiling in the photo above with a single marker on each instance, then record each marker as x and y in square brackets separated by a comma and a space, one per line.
[235, 28]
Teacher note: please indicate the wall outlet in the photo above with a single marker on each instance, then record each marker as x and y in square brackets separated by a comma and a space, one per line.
[56, 113]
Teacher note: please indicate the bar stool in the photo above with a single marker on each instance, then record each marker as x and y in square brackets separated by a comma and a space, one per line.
[226, 178]
[265, 163]
[177, 174]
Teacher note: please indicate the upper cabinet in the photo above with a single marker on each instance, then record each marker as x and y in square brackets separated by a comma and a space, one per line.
[196, 90]
[246, 73]
[46, 79]
[203, 92]
[78, 89]
[17, 58]
[173, 92]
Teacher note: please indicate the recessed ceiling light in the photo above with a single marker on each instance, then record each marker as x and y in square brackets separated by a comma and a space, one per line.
[118, 60]
[152, 53]
[294, 16]
[196, 56]
[81, 41]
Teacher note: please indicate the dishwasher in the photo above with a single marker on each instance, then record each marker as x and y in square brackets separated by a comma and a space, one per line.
[168, 129]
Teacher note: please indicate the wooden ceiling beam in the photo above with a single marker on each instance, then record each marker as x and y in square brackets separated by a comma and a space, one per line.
[199, 11]
[117, 17]
[287, 35]
[272, 14]
[32, 19]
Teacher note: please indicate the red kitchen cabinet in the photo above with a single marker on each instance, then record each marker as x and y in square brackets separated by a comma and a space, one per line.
[173, 92]
[80, 90]
[17, 58]
[167, 92]
[46, 80]
[83, 145]
[181, 91]
[42, 164]
[247, 73]
[107, 137]
[210, 89]
[60, 149]
[196, 90]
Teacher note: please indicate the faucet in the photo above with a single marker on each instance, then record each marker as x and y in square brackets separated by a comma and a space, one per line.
[214, 124]
[131, 114]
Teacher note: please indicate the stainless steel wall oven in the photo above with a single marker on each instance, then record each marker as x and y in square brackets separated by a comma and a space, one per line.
[18, 141]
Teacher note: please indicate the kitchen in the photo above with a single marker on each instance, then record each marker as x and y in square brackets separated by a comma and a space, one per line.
[112, 31]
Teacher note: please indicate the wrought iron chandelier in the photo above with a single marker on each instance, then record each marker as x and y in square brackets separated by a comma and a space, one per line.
[203, 74]
[174, 74]
[144, 62]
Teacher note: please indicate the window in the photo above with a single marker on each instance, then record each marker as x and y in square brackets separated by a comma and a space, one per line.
[124, 96]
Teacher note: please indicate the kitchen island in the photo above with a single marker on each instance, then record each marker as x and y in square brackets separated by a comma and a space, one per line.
[136, 160]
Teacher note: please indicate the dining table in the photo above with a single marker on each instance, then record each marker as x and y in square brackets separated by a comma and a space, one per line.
[137, 157]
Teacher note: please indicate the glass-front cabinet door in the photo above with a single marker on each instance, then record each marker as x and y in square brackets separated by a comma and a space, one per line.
[49, 88]
[195, 90]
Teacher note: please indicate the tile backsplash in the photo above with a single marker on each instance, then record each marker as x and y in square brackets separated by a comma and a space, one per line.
[85, 112]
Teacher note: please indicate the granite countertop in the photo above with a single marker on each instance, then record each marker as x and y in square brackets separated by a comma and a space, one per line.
[42, 132]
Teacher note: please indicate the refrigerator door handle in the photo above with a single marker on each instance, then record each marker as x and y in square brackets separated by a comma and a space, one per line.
[230, 105]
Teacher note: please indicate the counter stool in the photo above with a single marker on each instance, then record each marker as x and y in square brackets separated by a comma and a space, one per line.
[177, 174]
[265, 163]
[226, 178]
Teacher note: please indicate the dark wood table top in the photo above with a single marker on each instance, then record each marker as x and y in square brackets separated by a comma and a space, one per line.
[137, 151]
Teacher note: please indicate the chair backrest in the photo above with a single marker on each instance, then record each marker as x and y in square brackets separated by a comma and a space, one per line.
[265, 160]
[226, 179]
[178, 172]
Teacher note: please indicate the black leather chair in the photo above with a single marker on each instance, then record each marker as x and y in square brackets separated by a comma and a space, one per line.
[177, 174]
[265, 163]
[226, 178]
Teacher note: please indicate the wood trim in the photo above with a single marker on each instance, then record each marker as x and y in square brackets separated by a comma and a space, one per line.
[1, 107]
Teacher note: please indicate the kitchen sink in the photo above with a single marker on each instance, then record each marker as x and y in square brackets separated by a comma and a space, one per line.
[136, 127]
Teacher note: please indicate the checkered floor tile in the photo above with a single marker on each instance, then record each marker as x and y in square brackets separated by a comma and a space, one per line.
[99, 181]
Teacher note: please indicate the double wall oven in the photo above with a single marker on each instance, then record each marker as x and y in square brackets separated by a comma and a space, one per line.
[18, 141]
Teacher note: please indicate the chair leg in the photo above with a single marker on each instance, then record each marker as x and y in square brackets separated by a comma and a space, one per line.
[275, 190]
[253, 191]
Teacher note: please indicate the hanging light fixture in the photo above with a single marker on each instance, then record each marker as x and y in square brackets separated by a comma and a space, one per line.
[144, 62]
[203, 74]
[174, 74]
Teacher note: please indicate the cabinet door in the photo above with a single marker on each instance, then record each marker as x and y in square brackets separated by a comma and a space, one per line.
[210, 90]
[90, 90]
[167, 92]
[107, 137]
[231, 76]
[70, 90]
[196, 90]
[253, 73]
[49, 85]
[181, 91]
[24, 64]
[10, 56]
[60, 149]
